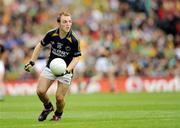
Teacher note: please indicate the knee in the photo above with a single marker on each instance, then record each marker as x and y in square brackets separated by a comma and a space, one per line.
[60, 99]
[40, 92]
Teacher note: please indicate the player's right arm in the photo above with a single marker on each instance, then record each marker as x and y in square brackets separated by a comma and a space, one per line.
[34, 57]
[44, 42]
[36, 52]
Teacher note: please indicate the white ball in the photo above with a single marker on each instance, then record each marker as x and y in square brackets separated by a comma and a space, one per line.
[58, 66]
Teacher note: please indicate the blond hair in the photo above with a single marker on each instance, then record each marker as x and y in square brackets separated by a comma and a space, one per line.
[64, 12]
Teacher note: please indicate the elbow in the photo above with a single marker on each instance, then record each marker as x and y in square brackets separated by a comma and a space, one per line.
[77, 59]
[40, 46]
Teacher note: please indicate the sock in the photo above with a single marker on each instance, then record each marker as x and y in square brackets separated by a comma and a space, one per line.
[48, 106]
[58, 113]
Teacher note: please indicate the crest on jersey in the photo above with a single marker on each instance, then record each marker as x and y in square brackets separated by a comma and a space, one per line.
[67, 48]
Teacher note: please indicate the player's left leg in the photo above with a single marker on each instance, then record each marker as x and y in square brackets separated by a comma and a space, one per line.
[64, 83]
[60, 101]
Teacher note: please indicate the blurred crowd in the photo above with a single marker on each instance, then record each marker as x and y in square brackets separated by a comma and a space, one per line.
[141, 36]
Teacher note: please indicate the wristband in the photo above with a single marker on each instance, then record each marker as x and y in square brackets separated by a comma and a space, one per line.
[31, 63]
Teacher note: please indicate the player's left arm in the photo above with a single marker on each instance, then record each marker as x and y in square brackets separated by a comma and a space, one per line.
[73, 63]
[76, 56]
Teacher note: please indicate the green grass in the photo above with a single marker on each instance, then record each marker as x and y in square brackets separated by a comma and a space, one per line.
[138, 110]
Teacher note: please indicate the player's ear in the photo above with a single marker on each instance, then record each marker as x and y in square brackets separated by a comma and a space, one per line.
[58, 19]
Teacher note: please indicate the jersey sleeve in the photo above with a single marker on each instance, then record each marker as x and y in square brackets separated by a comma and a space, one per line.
[46, 40]
[77, 51]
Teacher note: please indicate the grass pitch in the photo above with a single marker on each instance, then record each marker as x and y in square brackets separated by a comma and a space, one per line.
[138, 110]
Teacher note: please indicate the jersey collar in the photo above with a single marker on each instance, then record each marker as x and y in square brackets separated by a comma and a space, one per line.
[67, 35]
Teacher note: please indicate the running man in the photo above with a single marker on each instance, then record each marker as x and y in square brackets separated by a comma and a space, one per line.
[64, 44]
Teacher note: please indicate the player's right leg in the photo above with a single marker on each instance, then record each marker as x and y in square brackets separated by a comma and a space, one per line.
[42, 88]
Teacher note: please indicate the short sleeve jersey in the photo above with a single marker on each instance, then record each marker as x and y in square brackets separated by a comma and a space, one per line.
[65, 48]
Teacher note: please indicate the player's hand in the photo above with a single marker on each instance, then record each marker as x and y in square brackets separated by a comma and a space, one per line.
[29, 66]
[66, 72]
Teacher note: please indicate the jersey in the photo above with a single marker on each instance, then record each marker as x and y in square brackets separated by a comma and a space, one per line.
[65, 48]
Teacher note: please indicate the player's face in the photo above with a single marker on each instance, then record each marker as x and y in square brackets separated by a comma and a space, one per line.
[66, 23]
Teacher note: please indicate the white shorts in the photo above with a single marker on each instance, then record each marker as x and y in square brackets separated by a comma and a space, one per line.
[66, 79]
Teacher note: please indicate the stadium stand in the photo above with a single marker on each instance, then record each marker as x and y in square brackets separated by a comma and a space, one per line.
[144, 37]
